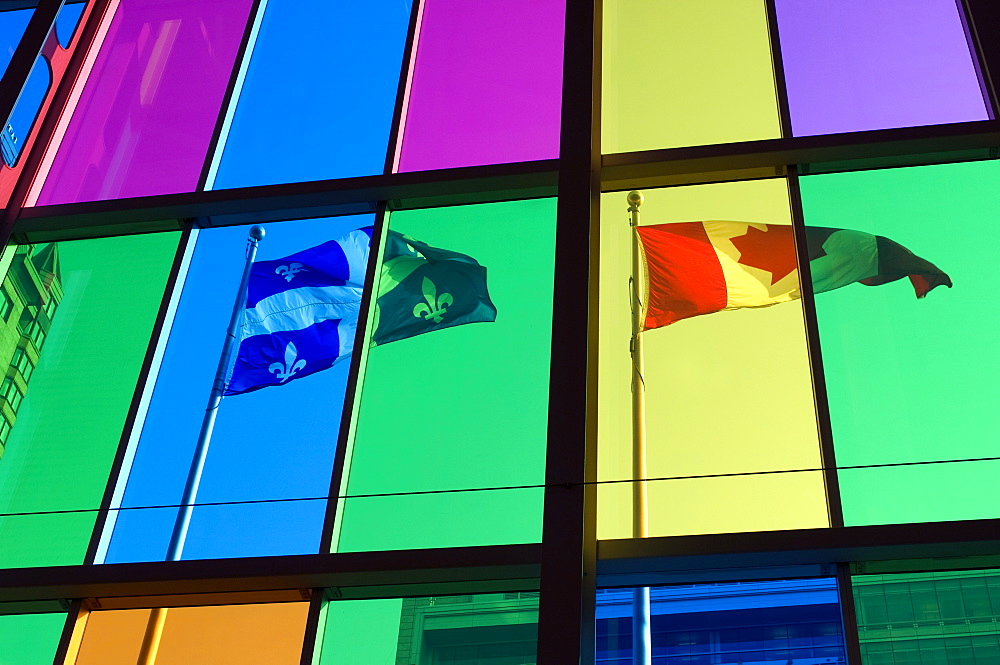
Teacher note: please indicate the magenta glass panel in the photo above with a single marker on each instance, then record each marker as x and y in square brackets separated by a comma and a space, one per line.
[486, 84]
[148, 110]
[853, 65]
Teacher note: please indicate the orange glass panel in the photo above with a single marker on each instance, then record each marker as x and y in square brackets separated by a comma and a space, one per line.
[223, 635]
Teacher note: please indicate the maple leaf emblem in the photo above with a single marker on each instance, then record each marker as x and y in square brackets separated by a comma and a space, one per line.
[771, 249]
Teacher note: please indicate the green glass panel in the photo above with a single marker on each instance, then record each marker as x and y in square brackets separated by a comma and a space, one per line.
[30, 639]
[929, 618]
[460, 408]
[494, 628]
[84, 312]
[911, 380]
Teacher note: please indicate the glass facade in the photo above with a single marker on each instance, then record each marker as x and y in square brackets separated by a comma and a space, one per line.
[429, 332]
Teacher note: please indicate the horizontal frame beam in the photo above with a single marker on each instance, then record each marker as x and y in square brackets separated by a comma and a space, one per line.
[321, 198]
[684, 559]
[348, 575]
[504, 182]
[665, 560]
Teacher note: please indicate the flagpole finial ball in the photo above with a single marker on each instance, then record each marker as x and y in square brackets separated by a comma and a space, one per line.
[635, 198]
[257, 233]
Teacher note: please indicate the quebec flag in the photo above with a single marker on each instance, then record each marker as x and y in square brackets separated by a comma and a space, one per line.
[301, 313]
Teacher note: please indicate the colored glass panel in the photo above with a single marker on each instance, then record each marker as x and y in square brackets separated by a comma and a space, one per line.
[271, 455]
[929, 618]
[67, 21]
[147, 111]
[494, 629]
[486, 84]
[12, 25]
[223, 635]
[854, 65]
[726, 393]
[686, 73]
[909, 380]
[463, 408]
[87, 350]
[300, 114]
[25, 111]
[30, 639]
[782, 621]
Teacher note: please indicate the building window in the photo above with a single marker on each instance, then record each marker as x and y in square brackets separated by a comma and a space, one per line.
[6, 304]
[10, 392]
[22, 363]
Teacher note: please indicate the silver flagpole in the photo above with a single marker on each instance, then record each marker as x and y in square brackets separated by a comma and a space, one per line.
[641, 650]
[158, 616]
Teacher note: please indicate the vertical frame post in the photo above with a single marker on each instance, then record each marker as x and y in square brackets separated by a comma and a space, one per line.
[831, 480]
[566, 617]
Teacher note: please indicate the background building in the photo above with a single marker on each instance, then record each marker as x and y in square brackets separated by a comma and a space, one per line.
[819, 476]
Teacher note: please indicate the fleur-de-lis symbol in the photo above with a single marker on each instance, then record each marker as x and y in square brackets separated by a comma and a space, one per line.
[291, 366]
[435, 309]
[288, 272]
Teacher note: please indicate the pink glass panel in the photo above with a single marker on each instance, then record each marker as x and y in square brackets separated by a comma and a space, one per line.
[146, 115]
[486, 84]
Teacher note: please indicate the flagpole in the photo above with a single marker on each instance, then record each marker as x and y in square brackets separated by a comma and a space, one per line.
[158, 615]
[641, 651]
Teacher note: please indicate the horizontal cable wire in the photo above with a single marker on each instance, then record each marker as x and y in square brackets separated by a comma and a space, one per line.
[507, 487]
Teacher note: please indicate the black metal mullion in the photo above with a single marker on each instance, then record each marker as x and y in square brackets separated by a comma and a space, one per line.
[986, 13]
[311, 633]
[566, 616]
[355, 382]
[231, 95]
[409, 54]
[828, 456]
[130, 420]
[69, 629]
[848, 614]
[831, 480]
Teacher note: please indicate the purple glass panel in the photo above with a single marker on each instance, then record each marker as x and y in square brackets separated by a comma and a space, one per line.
[486, 84]
[853, 65]
[146, 116]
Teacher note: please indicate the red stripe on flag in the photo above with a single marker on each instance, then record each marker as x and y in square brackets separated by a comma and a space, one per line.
[685, 277]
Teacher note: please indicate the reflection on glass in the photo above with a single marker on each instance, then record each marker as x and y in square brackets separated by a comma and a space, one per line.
[727, 392]
[136, 129]
[482, 629]
[22, 118]
[70, 321]
[29, 297]
[269, 464]
[793, 622]
[461, 407]
[908, 379]
[929, 618]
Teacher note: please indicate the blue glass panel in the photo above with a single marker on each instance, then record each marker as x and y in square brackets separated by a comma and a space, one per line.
[319, 93]
[25, 111]
[269, 465]
[66, 22]
[12, 25]
[793, 622]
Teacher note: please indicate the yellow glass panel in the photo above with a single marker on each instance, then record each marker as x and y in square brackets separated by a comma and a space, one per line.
[728, 392]
[686, 72]
[222, 635]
